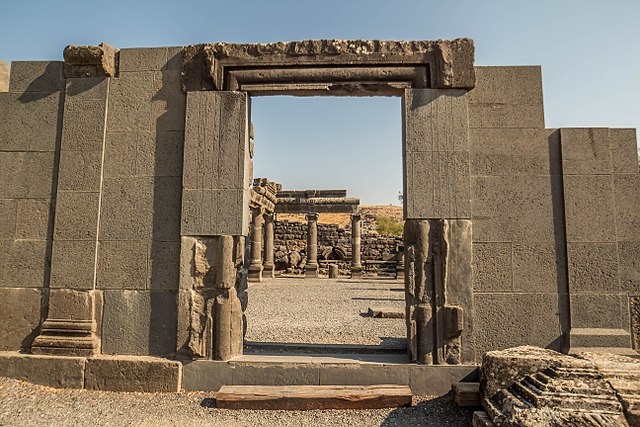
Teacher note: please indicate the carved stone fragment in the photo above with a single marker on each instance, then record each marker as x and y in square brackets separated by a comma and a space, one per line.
[90, 61]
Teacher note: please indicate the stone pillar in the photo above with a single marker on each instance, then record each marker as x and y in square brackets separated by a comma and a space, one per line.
[400, 263]
[311, 268]
[356, 264]
[269, 266]
[255, 267]
[4, 77]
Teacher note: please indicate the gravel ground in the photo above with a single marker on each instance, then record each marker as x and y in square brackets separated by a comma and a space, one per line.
[325, 311]
[23, 404]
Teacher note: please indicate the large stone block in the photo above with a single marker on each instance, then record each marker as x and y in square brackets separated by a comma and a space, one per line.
[357, 374]
[506, 116]
[507, 85]
[629, 267]
[492, 267]
[20, 311]
[87, 88]
[539, 268]
[8, 213]
[514, 208]
[24, 263]
[267, 374]
[30, 121]
[436, 380]
[4, 76]
[167, 196]
[627, 206]
[508, 320]
[437, 185]
[168, 106]
[216, 140]
[127, 209]
[120, 154]
[502, 151]
[26, 175]
[84, 122]
[122, 264]
[142, 59]
[598, 310]
[139, 374]
[160, 154]
[589, 208]
[67, 304]
[436, 120]
[50, 371]
[215, 212]
[164, 266]
[80, 170]
[77, 216]
[593, 267]
[585, 151]
[207, 375]
[139, 323]
[130, 102]
[624, 150]
[36, 76]
[35, 219]
[73, 264]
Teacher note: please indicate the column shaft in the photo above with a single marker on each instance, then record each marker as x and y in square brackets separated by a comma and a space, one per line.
[255, 267]
[269, 267]
[356, 245]
[311, 268]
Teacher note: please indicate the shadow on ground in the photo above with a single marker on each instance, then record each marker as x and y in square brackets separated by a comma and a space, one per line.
[438, 411]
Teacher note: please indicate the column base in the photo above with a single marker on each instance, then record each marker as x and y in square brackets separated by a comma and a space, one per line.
[356, 271]
[311, 270]
[255, 273]
[269, 271]
[400, 273]
[67, 338]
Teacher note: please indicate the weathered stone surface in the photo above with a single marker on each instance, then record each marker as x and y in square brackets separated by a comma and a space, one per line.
[90, 61]
[20, 311]
[593, 267]
[436, 154]
[466, 394]
[599, 310]
[142, 59]
[4, 76]
[627, 206]
[36, 76]
[8, 209]
[30, 121]
[34, 219]
[140, 323]
[384, 312]
[624, 154]
[26, 175]
[506, 97]
[333, 271]
[76, 216]
[24, 263]
[122, 264]
[589, 208]
[585, 151]
[133, 374]
[73, 264]
[51, 371]
[130, 101]
[81, 170]
[530, 386]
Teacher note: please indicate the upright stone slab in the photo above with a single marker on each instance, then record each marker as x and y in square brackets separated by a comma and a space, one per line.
[439, 291]
[436, 154]
[4, 76]
[311, 268]
[71, 327]
[215, 184]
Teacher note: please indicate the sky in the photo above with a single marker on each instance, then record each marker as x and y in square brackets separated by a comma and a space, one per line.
[588, 50]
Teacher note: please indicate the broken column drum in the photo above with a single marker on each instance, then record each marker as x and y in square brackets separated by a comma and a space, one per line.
[311, 268]
[356, 240]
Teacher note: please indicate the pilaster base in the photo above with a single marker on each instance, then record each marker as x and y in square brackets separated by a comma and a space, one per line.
[311, 270]
[356, 271]
[255, 273]
[269, 270]
[67, 338]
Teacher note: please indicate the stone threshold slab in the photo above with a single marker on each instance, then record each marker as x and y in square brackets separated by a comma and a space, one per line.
[309, 348]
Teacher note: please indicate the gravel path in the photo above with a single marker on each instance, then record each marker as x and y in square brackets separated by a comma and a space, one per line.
[23, 404]
[324, 311]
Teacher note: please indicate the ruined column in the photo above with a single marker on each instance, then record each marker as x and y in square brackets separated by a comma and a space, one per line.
[257, 221]
[311, 268]
[356, 240]
[400, 263]
[269, 266]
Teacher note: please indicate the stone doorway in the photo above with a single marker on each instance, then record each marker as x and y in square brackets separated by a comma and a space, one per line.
[431, 77]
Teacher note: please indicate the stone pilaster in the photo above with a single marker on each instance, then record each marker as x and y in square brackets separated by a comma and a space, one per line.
[311, 268]
[356, 243]
[257, 222]
[269, 266]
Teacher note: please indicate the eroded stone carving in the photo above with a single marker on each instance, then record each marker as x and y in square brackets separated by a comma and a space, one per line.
[438, 290]
[90, 61]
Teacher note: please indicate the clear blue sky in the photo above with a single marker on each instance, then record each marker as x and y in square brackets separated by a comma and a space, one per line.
[589, 52]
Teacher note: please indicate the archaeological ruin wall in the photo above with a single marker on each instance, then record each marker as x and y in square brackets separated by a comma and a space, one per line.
[125, 196]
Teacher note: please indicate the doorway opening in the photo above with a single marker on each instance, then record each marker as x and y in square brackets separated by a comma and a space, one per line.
[339, 148]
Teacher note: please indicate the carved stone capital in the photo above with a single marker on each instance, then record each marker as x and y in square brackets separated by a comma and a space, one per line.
[90, 61]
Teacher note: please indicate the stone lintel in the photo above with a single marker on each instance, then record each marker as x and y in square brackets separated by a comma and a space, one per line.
[90, 61]
[317, 204]
[366, 65]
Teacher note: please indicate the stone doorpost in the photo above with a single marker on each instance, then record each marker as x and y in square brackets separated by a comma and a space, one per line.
[269, 266]
[311, 268]
[356, 264]
[257, 221]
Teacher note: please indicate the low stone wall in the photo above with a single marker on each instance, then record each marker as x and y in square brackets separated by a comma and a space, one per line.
[334, 243]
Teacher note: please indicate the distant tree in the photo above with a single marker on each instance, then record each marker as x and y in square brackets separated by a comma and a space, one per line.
[400, 197]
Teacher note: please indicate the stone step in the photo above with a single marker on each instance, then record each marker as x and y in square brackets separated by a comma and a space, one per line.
[305, 348]
[306, 397]
[599, 337]
[466, 394]
[620, 351]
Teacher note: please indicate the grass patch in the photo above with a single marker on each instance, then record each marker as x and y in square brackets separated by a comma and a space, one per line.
[386, 226]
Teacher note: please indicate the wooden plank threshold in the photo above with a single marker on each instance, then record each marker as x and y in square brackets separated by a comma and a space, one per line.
[307, 397]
